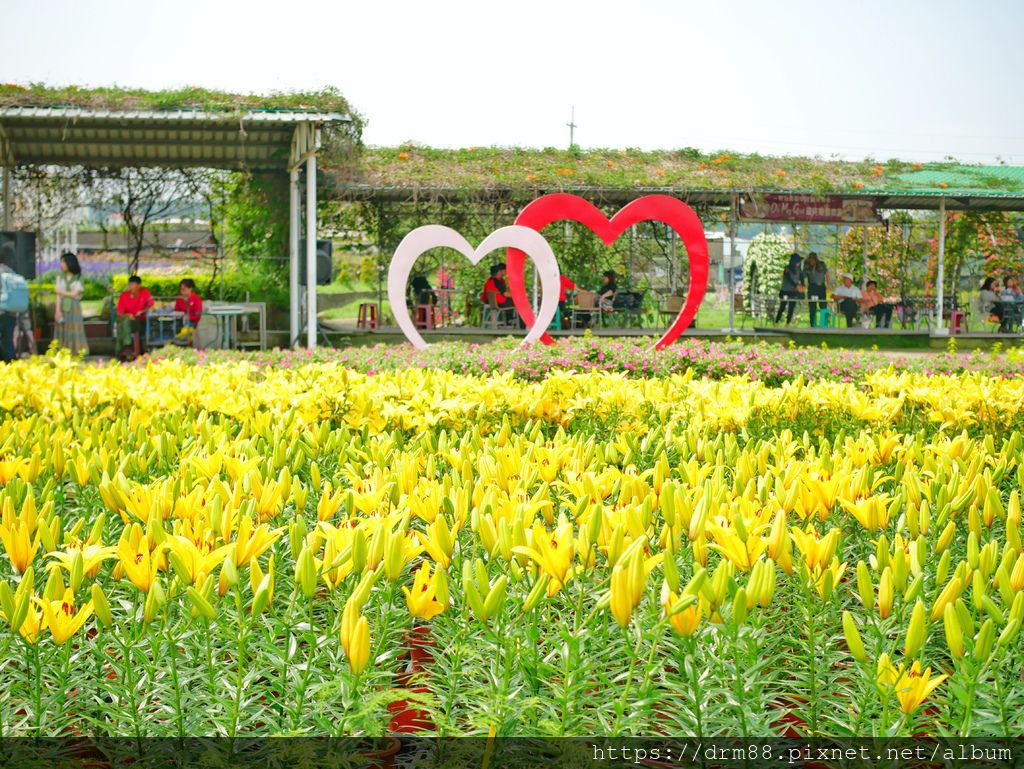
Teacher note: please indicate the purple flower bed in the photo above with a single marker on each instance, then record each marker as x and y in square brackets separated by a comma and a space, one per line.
[766, 362]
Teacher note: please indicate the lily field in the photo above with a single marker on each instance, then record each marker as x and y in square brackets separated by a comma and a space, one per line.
[289, 544]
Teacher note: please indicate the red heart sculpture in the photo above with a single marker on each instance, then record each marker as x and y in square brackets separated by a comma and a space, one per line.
[662, 208]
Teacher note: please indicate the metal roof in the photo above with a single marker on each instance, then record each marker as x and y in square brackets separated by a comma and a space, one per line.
[252, 140]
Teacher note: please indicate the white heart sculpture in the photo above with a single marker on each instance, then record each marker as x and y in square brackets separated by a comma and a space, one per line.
[529, 241]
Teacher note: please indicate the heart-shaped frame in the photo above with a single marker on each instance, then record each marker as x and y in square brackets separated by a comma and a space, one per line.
[523, 240]
[662, 208]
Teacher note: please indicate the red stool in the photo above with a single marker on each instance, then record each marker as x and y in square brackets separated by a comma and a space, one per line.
[424, 314]
[367, 316]
[957, 322]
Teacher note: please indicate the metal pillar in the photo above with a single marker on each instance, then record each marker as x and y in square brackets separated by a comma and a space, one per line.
[7, 197]
[939, 294]
[311, 251]
[294, 225]
[732, 267]
[864, 274]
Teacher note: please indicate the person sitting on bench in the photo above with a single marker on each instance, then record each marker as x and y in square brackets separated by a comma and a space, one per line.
[132, 306]
[874, 303]
[848, 296]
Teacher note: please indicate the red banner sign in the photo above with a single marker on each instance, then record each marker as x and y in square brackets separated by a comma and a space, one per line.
[808, 208]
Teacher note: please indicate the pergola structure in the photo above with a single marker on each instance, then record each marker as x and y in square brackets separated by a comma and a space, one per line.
[250, 140]
[964, 188]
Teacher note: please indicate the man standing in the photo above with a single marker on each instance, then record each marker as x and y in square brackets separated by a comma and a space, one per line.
[131, 317]
[848, 296]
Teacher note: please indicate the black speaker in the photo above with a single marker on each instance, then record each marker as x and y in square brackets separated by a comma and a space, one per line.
[19, 250]
[324, 266]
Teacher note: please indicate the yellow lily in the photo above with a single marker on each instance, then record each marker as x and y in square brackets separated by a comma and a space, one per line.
[816, 551]
[684, 621]
[93, 557]
[422, 600]
[552, 552]
[135, 558]
[198, 560]
[742, 551]
[252, 543]
[20, 542]
[60, 617]
[911, 687]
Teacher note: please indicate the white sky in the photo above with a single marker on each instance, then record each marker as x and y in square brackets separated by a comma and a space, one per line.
[899, 78]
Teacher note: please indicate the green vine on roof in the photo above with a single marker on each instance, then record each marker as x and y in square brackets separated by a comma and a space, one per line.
[327, 99]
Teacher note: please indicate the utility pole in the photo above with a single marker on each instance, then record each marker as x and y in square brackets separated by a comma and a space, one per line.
[572, 128]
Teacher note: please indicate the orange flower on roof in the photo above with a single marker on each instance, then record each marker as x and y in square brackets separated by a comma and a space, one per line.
[564, 171]
[943, 185]
[660, 172]
[858, 185]
[781, 173]
[917, 166]
[877, 171]
[610, 164]
[531, 177]
[403, 155]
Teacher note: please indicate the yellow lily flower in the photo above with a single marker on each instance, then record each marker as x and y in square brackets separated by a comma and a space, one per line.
[20, 542]
[60, 617]
[252, 543]
[135, 557]
[743, 553]
[552, 551]
[816, 551]
[93, 557]
[422, 599]
[911, 687]
[199, 560]
[684, 621]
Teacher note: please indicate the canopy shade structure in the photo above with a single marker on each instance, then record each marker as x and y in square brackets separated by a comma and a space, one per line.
[240, 140]
[255, 141]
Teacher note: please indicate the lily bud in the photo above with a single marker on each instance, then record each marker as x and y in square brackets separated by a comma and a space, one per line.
[984, 642]
[885, 593]
[853, 638]
[203, 607]
[100, 605]
[865, 589]
[915, 631]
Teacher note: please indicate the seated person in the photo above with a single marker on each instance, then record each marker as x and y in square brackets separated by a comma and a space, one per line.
[1011, 290]
[990, 304]
[131, 316]
[1013, 304]
[188, 302]
[422, 292]
[874, 303]
[848, 297]
[606, 292]
[496, 285]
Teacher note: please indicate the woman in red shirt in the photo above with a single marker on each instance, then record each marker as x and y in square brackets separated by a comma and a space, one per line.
[188, 302]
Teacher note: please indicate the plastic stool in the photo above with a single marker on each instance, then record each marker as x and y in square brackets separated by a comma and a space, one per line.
[424, 314]
[824, 318]
[367, 316]
[556, 322]
[957, 322]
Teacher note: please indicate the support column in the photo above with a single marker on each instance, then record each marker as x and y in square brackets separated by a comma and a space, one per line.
[294, 226]
[311, 251]
[731, 266]
[7, 197]
[864, 272]
[939, 330]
